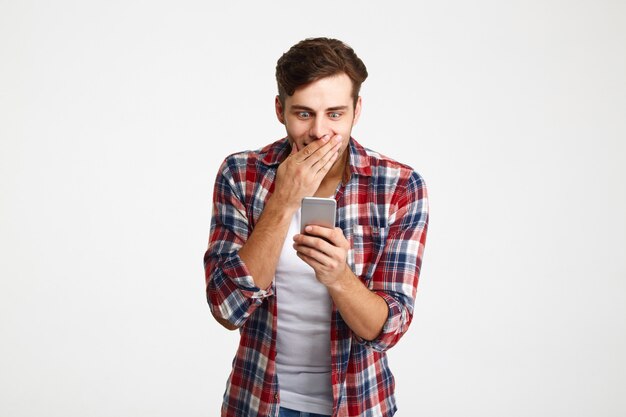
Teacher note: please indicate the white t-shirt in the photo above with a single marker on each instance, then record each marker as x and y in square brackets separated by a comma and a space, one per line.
[303, 362]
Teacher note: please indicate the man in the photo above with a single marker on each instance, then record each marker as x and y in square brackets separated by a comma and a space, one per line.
[316, 311]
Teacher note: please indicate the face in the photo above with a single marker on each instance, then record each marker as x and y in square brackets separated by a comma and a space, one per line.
[323, 107]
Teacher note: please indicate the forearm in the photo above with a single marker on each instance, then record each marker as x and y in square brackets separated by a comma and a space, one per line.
[261, 251]
[362, 310]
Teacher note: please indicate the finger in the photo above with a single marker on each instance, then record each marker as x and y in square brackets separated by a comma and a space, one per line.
[325, 154]
[317, 243]
[315, 259]
[316, 150]
[325, 163]
[329, 147]
[309, 261]
[306, 152]
[329, 235]
[313, 242]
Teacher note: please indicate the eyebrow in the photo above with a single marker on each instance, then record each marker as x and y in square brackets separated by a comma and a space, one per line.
[305, 108]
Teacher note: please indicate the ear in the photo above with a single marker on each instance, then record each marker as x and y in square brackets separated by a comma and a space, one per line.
[357, 111]
[280, 111]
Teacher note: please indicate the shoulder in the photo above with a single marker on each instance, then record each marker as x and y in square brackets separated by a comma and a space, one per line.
[388, 170]
[236, 164]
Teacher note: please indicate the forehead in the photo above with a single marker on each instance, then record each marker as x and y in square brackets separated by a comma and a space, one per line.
[324, 93]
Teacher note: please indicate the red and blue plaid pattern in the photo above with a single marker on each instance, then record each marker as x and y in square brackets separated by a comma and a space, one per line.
[383, 212]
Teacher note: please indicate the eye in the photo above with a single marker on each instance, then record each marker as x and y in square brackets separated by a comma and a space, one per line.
[334, 115]
[304, 114]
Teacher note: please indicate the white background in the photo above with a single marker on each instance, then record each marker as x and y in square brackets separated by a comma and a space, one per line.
[115, 115]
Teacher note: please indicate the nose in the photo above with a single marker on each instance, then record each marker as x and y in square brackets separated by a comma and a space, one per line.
[319, 128]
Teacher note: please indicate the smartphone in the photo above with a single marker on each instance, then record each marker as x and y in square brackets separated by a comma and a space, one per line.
[318, 211]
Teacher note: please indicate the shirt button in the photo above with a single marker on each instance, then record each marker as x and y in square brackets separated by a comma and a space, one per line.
[275, 396]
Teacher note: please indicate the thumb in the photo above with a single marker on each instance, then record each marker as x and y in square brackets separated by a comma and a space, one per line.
[294, 148]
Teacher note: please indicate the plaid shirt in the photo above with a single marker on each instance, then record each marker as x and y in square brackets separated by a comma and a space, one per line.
[383, 212]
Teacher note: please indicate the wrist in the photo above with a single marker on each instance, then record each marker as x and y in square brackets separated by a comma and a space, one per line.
[280, 208]
[276, 202]
[345, 282]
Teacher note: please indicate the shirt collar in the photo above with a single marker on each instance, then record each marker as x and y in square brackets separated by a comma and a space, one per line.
[275, 153]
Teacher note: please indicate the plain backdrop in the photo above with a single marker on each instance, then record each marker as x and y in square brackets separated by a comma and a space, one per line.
[114, 117]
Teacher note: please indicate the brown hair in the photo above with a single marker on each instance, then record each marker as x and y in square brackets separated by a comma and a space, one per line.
[316, 58]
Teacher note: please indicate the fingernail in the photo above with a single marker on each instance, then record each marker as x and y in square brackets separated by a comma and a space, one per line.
[338, 138]
[325, 138]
